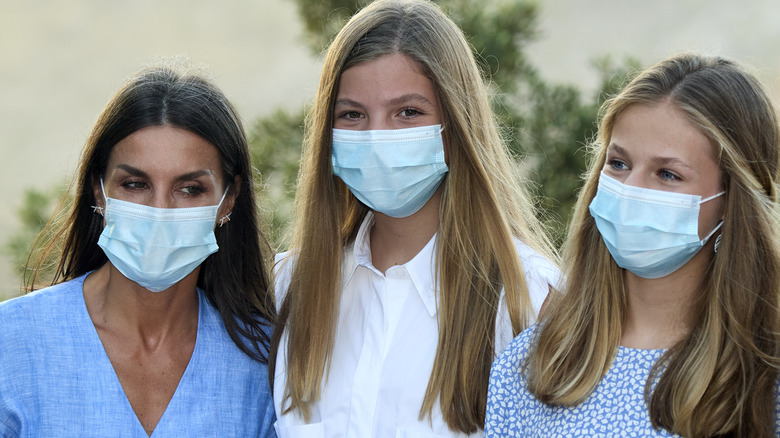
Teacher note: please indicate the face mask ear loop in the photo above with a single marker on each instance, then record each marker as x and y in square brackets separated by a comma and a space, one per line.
[223, 197]
[225, 218]
[717, 227]
[711, 197]
[103, 190]
[96, 208]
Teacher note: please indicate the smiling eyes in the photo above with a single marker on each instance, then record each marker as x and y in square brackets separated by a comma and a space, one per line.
[409, 112]
[406, 113]
[351, 115]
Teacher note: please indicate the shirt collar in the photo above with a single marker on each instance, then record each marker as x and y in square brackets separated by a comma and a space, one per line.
[421, 268]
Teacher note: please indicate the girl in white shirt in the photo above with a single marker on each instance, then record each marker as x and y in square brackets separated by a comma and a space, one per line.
[416, 252]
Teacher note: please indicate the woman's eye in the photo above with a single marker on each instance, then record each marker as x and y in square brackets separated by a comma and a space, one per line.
[617, 164]
[665, 174]
[409, 112]
[193, 190]
[134, 185]
[351, 115]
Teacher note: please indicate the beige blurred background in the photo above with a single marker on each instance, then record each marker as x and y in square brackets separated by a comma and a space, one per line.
[61, 60]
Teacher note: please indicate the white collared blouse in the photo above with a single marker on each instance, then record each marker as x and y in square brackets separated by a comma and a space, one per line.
[386, 339]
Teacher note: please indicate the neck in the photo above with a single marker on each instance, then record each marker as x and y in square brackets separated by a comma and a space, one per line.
[395, 241]
[659, 310]
[122, 306]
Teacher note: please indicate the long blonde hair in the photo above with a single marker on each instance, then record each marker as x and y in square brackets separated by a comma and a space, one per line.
[483, 208]
[720, 379]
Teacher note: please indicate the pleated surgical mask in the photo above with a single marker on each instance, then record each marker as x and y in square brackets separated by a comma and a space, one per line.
[651, 233]
[394, 172]
[157, 247]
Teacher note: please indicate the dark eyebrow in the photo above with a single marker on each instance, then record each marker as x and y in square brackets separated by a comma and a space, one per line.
[193, 175]
[132, 170]
[138, 172]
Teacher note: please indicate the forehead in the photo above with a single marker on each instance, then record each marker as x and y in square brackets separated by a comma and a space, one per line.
[660, 129]
[384, 77]
[165, 150]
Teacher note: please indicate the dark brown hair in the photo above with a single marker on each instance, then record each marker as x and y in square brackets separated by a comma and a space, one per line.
[236, 278]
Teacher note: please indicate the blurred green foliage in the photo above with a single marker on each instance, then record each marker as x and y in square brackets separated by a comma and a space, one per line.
[37, 208]
[275, 146]
[35, 211]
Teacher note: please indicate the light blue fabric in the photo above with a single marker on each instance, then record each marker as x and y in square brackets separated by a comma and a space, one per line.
[57, 381]
[157, 247]
[392, 171]
[615, 409]
[652, 233]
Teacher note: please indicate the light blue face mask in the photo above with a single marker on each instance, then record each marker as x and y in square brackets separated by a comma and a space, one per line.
[157, 247]
[651, 233]
[394, 172]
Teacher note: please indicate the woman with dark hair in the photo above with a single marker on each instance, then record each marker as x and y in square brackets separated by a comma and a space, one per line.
[669, 323]
[157, 318]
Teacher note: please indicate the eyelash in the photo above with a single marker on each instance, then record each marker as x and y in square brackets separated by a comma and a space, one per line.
[133, 185]
[196, 189]
[615, 162]
[188, 190]
[674, 176]
[663, 173]
[354, 115]
[415, 112]
[350, 115]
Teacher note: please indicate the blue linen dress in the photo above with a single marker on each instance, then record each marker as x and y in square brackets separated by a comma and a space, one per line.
[57, 381]
[616, 408]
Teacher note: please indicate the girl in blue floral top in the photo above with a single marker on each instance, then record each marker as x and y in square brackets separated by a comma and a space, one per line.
[669, 322]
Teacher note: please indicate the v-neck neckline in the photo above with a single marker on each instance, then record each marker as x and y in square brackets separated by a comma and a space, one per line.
[106, 361]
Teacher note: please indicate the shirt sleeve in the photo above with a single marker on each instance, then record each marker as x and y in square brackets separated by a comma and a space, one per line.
[540, 274]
